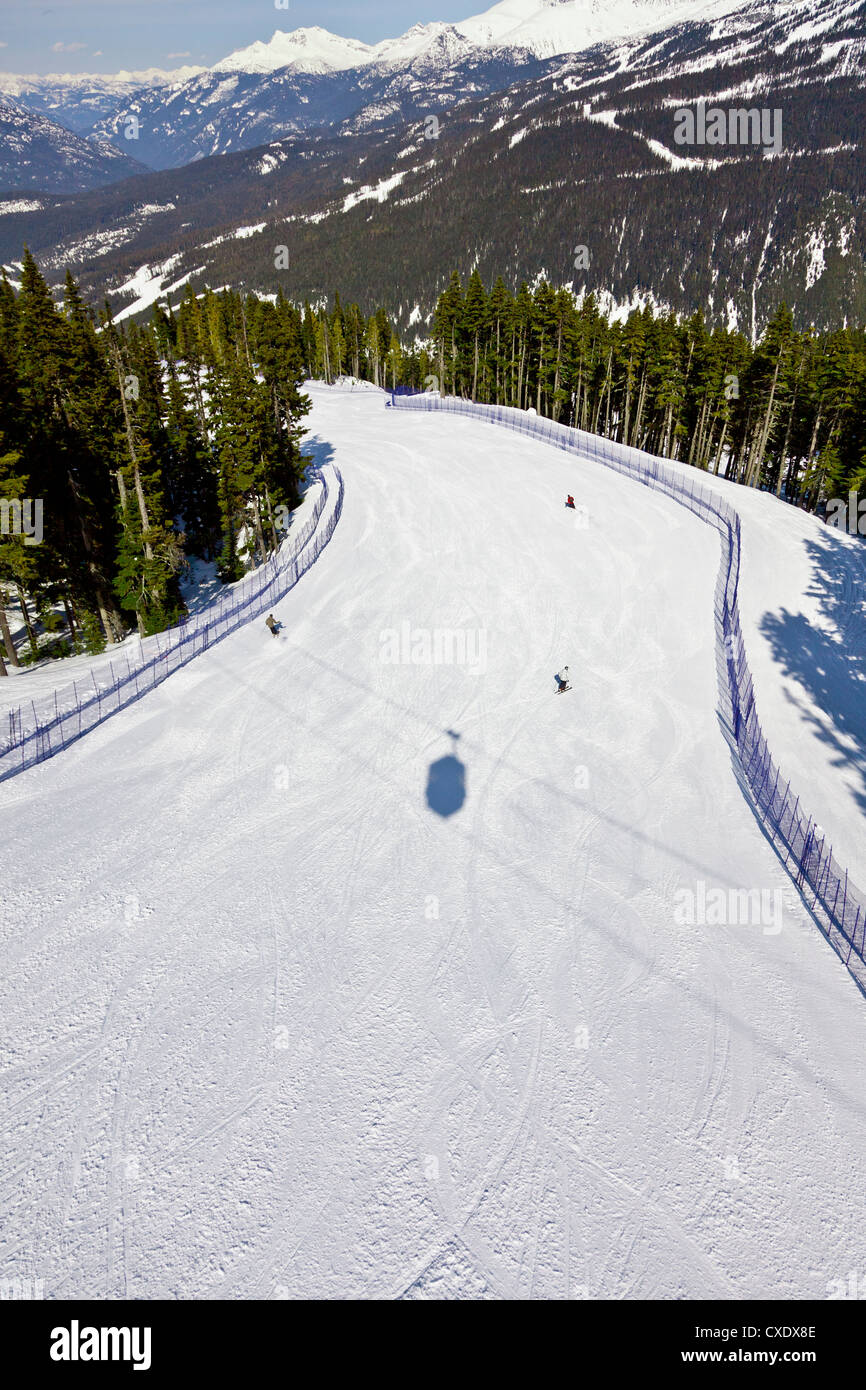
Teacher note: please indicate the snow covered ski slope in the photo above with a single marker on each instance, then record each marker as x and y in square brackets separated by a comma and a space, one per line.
[336, 968]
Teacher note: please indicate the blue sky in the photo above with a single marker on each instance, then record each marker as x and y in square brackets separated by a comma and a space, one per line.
[105, 35]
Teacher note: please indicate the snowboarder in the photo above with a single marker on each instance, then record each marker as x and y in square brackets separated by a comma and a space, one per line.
[570, 502]
[563, 681]
[271, 622]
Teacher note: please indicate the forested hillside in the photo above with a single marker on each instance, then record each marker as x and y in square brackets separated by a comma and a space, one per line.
[141, 446]
[788, 414]
[151, 444]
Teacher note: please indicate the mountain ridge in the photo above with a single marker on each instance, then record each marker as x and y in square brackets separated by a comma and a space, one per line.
[508, 34]
[566, 152]
[37, 153]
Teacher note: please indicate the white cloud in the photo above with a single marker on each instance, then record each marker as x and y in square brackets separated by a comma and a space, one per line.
[177, 55]
[67, 47]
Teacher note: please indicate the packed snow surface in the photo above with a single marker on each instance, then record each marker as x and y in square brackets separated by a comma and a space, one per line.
[334, 968]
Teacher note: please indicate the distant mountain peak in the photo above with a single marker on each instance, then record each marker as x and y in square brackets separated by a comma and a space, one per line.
[551, 27]
[36, 152]
[545, 27]
[312, 49]
[16, 84]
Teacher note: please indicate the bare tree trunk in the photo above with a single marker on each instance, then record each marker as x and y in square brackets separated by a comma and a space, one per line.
[271, 518]
[244, 325]
[814, 441]
[109, 615]
[31, 631]
[136, 475]
[260, 535]
[787, 438]
[753, 472]
[520, 372]
[722, 438]
[69, 618]
[641, 402]
[7, 635]
[695, 447]
[626, 413]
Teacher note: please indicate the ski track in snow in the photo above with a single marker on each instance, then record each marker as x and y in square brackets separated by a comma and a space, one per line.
[242, 1055]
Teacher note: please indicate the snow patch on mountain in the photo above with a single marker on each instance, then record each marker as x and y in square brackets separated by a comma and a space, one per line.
[148, 285]
[379, 192]
[271, 161]
[618, 310]
[815, 250]
[239, 234]
[21, 205]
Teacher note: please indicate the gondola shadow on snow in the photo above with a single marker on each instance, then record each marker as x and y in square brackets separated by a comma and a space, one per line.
[446, 782]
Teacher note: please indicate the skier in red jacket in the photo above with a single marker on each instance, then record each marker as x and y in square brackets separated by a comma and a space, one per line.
[570, 502]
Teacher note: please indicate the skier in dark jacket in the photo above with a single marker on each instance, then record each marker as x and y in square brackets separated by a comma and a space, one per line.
[271, 622]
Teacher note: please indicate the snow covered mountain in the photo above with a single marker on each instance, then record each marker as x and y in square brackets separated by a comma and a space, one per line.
[578, 148]
[264, 91]
[306, 50]
[543, 27]
[40, 154]
[308, 77]
[549, 27]
[233, 108]
[78, 100]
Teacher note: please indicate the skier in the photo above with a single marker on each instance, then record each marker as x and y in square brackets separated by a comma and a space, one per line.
[570, 502]
[563, 681]
[271, 622]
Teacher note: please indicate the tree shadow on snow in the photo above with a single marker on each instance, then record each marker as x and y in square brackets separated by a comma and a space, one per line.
[830, 669]
[318, 451]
